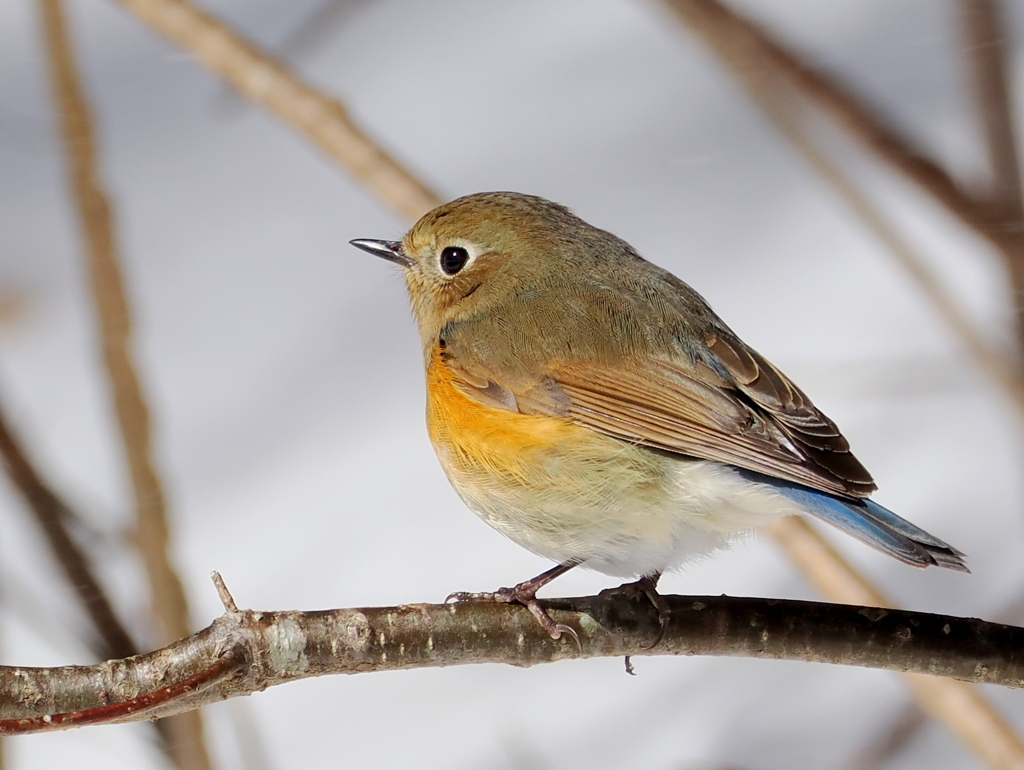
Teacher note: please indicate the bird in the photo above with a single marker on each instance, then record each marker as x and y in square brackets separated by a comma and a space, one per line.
[593, 408]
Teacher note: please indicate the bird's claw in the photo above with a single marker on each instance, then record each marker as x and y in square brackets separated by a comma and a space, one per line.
[520, 594]
[467, 596]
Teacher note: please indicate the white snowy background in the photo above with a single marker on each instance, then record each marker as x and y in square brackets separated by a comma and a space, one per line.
[285, 376]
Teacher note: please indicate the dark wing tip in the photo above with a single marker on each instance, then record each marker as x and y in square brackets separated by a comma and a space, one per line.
[947, 558]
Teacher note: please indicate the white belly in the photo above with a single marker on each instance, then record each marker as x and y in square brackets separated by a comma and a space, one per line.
[623, 528]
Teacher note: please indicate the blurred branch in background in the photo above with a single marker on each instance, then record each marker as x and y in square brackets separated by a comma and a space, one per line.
[52, 515]
[762, 65]
[986, 52]
[267, 83]
[168, 596]
[776, 102]
[23, 603]
[986, 55]
[737, 39]
[311, 34]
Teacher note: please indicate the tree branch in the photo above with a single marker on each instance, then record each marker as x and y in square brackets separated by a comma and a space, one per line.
[114, 316]
[988, 357]
[246, 651]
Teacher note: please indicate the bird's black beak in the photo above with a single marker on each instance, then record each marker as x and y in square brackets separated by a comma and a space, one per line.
[389, 250]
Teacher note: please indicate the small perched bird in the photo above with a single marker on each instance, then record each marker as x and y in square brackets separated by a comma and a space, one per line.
[593, 408]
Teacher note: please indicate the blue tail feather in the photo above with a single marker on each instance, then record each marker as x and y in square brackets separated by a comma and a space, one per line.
[872, 524]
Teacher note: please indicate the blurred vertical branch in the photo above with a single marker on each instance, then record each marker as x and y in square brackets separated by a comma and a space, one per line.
[986, 54]
[984, 35]
[169, 603]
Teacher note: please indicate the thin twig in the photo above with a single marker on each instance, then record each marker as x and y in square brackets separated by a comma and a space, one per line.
[270, 84]
[246, 651]
[169, 603]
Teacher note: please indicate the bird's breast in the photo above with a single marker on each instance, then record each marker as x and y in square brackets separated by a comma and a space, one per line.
[497, 458]
[473, 437]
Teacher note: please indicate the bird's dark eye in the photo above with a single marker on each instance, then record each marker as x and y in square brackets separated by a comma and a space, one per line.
[453, 259]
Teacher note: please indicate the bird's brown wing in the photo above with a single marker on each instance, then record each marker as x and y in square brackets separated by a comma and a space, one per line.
[737, 409]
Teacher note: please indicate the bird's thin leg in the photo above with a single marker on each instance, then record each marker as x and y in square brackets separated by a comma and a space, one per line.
[648, 584]
[525, 593]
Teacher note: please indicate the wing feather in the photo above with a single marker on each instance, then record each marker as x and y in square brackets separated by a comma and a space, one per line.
[735, 408]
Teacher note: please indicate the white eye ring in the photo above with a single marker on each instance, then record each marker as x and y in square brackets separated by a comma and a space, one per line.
[454, 258]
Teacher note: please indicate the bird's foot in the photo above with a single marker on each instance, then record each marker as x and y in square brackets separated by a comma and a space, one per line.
[525, 593]
[648, 586]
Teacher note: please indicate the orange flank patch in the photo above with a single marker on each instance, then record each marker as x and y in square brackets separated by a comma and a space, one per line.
[471, 436]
